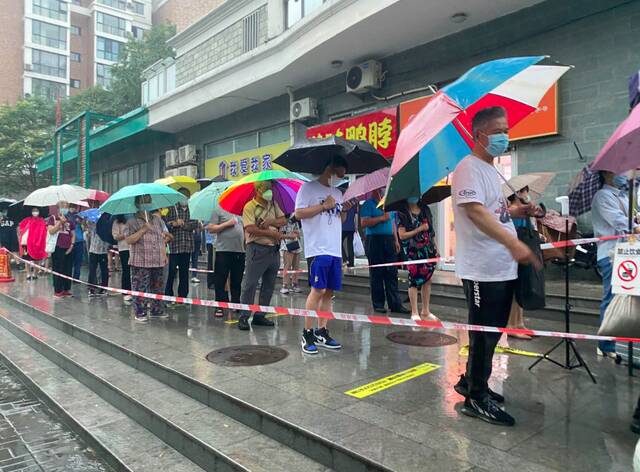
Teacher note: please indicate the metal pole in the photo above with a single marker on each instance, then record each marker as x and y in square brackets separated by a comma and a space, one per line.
[632, 191]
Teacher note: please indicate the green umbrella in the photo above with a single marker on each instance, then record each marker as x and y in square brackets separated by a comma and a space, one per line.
[123, 201]
[202, 203]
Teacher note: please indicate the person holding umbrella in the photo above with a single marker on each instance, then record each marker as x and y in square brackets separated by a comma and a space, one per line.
[64, 230]
[32, 235]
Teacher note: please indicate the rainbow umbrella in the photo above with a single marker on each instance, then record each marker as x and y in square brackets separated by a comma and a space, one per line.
[284, 184]
[440, 135]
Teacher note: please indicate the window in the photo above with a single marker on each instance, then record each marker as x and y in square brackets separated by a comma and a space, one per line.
[76, 57]
[108, 49]
[137, 32]
[75, 83]
[298, 9]
[77, 2]
[49, 35]
[48, 63]
[223, 148]
[47, 89]
[138, 8]
[116, 179]
[111, 24]
[103, 75]
[246, 143]
[119, 4]
[55, 9]
[274, 136]
[76, 30]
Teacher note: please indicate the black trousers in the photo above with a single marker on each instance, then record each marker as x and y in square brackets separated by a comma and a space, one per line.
[95, 261]
[489, 304]
[229, 265]
[62, 263]
[210, 276]
[383, 281]
[125, 281]
[347, 248]
[178, 263]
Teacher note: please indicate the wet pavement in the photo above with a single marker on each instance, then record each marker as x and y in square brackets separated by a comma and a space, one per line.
[32, 437]
[564, 422]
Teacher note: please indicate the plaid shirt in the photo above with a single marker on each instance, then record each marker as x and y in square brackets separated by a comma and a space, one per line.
[183, 235]
[150, 250]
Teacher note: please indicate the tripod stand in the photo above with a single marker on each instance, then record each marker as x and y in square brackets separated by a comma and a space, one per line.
[569, 344]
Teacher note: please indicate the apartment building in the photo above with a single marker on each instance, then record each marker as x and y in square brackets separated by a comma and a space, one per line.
[55, 48]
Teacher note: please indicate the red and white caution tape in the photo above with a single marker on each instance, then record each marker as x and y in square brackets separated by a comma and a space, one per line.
[577, 242]
[371, 319]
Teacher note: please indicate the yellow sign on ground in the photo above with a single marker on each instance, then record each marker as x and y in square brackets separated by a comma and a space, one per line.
[464, 351]
[241, 164]
[395, 379]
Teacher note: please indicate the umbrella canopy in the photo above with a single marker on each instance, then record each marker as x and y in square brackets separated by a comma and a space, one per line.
[536, 181]
[285, 186]
[180, 181]
[622, 150]
[53, 194]
[92, 215]
[202, 203]
[5, 203]
[363, 186]
[123, 201]
[440, 135]
[582, 190]
[98, 195]
[18, 211]
[435, 194]
[310, 157]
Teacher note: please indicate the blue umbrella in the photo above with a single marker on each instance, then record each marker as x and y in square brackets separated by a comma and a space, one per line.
[123, 201]
[92, 215]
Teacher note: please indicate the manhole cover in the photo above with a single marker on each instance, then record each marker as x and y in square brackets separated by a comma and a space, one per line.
[421, 338]
[238, 356]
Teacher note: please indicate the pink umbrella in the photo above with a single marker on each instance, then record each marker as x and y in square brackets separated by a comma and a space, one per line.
[366, 184]
[98, 195]
[622, 151]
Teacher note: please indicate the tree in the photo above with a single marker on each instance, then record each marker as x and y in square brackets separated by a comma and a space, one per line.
[137, 55]
[26, 130]
[95, 99]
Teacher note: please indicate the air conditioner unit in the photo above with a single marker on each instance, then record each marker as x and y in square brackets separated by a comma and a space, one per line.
[28, 67]
[364, 77]
[304, 109]
[186, 153]
[171, 158]
[187, 171]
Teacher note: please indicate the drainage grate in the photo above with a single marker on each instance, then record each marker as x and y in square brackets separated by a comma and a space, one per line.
[421, 338]
[240, 356]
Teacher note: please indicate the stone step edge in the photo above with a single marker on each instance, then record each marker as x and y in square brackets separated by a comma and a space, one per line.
[174, 436]
[308, 443]
[66, 417]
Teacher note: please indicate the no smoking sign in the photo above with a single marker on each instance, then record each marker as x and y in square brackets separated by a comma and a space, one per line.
[624, 278]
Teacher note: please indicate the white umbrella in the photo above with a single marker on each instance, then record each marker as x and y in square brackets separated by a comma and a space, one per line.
[536, 181]
[53, 194]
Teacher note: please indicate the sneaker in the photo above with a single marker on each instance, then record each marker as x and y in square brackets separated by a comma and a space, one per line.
[261, 320]
[67, 293]
[29, 277]
[308, 342]
[324, 340]
[195, 280]
[487, 411]
[58, 295]
[159, 316]
[609, 354]
[296, 289]
[284, 290]
[463, 389]
[219, 313]
[243, 323]
[142, 319]
[127, 298]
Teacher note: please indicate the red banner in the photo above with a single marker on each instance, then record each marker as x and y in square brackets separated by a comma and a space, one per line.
[379, 128]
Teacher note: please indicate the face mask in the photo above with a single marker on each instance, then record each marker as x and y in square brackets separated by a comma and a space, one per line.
[35, 213]
[64, 211]
[267, 195]
[620, 181]
[526, 199]
[413, 200]
[498, 144]
[334, 181]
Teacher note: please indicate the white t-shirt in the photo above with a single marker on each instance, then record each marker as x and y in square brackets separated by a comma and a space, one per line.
[323, 232]
[478, 257]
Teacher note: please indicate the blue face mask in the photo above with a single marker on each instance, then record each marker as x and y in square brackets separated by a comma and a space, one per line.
[498, 144]
[620, 181]
[413, 200]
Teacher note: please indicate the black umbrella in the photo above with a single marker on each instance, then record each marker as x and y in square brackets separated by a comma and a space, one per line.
[18, 211]
[311, 157]
[435, 194]
[5, 203]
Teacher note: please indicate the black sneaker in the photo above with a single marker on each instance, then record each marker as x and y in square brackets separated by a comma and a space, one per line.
[308, 342]
[261, 320]
[324, 340]
[488, 411]
[243, 323]
[463, 389]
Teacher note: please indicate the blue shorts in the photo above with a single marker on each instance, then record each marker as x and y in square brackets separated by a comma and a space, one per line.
[325, 272]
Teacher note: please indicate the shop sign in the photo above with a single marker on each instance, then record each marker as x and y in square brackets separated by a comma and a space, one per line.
[241, 164]
[542, 122]
[379, 128]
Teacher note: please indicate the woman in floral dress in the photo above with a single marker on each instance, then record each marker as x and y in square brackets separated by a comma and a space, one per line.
[415, 230]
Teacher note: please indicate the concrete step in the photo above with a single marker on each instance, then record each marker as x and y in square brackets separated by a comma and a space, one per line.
[201, 434]
[274, 434]
[117, 439]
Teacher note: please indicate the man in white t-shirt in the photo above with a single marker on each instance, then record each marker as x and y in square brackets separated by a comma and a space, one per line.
[320, 209]
[487, 256]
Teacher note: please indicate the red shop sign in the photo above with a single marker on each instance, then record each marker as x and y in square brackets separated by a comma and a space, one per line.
[379, 128]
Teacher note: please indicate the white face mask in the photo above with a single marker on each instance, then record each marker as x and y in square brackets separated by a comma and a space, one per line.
[334, 181]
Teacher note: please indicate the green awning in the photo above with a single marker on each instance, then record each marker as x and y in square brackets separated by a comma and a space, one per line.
[132, 123]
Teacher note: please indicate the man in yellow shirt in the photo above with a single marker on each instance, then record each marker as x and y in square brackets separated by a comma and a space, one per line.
[261, 218]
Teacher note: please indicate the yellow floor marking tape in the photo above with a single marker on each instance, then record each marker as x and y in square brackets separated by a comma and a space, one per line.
[464, 351]
[395, 379]
[271, 315]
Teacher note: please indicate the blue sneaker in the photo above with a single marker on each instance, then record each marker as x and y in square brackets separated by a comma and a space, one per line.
[324, 340]
[308, 342]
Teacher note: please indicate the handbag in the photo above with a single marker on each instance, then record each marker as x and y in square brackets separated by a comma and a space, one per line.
[622, 317]
[530, 285]
[52, 241]
[293, 246]
[358, 247]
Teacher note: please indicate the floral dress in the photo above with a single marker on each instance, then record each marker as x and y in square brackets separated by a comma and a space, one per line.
[421, 246]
